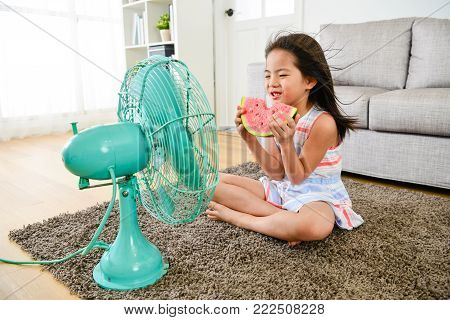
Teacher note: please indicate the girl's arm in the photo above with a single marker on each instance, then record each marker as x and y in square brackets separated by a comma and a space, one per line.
[323, 135]
[270, 160]
[295, 170]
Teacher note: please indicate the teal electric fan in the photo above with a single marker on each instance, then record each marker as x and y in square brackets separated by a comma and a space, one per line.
[163, 153]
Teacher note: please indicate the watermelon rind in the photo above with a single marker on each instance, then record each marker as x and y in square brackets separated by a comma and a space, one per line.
[257, 133]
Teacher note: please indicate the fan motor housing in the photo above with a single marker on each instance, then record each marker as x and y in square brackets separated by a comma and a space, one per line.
[91, 152]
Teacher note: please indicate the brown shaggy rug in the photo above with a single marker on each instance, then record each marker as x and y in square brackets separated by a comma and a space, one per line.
[400, 252]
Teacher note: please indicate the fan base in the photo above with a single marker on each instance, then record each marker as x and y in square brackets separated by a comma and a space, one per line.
[132, 261]
[103, 280]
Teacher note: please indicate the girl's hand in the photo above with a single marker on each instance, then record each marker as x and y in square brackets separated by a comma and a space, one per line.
[283, 131]
[239, 126]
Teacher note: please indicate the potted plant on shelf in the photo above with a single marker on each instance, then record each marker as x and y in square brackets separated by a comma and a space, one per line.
[163, 26]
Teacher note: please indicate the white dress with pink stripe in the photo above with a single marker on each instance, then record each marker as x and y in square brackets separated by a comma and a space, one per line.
[324, 183]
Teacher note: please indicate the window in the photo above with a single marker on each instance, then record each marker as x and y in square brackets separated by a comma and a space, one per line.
[279, 7]
[40, 76]
[253, 9]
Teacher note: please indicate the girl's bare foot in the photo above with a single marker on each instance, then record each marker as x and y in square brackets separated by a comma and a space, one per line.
[217, 211]
[293, 243]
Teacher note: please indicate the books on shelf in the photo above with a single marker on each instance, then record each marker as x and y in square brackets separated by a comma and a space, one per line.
[138, 35]
[141, 34]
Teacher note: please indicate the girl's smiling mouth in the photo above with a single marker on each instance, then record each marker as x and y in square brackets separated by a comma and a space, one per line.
[275, 95]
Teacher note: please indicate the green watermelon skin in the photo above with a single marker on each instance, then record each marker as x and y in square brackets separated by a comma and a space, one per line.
[257, 116]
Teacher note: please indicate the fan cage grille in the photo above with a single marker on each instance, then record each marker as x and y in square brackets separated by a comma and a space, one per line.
[166, 100]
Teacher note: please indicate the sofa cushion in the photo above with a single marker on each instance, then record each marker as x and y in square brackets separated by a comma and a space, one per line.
[355, 102]
[423, 111]
[429, 66]
[383, 47]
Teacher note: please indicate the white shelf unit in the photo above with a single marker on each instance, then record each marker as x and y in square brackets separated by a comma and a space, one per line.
[192, 35]
[150, 10]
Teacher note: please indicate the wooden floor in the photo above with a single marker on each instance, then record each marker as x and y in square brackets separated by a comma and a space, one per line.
[34, 185]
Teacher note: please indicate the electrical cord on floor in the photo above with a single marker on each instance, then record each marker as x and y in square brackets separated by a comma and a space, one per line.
[99, 244]
[92, 244]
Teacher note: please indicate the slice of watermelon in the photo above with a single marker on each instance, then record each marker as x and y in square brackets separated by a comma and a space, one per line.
[257, 116]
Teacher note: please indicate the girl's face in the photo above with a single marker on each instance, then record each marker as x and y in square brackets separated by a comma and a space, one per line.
[284, 81]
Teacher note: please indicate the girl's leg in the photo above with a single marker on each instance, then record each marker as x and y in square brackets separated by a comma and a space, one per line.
[252, 185]
[244, 195]
[314, 221]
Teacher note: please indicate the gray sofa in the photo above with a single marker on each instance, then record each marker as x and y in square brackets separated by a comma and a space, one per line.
[399, 89]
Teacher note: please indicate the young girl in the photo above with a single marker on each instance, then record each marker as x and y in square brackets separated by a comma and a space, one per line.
[302, 196]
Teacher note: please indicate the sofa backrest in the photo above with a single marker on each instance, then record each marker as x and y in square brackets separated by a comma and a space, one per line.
[378, 50]
[429, 66]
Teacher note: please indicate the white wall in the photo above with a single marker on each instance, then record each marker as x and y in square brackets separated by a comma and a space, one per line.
[194, 34]
[354, 11]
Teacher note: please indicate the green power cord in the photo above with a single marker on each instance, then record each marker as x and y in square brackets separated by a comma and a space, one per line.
[92, 244]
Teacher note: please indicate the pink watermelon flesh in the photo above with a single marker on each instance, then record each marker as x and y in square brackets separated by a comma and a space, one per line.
[257, 116]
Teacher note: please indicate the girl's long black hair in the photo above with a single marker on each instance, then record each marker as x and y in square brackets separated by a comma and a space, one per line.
[310, 60]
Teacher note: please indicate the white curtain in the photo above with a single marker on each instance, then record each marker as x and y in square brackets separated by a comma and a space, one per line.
[44, 85]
